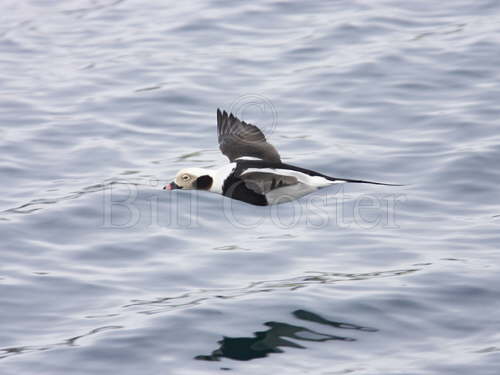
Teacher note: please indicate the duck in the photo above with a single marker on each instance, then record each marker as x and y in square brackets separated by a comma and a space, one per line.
[255, 173]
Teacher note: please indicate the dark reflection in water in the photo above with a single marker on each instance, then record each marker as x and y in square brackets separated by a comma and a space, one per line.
[312, 317]
[278, 335]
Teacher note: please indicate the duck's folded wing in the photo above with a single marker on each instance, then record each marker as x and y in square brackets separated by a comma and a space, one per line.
[238, 139]
[263, 183]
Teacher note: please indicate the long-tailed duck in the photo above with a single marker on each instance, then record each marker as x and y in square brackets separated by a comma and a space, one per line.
[255, 173]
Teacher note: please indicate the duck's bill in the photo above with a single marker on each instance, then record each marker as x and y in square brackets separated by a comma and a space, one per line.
[171, 186]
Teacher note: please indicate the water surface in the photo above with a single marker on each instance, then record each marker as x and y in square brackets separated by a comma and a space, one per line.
[102, 271]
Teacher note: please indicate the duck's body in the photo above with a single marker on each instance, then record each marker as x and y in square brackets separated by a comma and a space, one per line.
[255, 173]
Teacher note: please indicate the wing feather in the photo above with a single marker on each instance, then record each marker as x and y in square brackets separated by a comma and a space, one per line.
[239, 139]
[263, 182]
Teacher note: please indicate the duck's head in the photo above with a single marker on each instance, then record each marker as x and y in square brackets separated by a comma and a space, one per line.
[191, 179]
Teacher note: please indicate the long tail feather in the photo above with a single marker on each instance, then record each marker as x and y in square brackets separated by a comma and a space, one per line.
[361, 181]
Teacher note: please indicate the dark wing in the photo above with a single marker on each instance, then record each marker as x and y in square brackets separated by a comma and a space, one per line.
[238, 139]
[263, 183]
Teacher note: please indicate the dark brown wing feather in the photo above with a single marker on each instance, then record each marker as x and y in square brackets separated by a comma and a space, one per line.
[238, 139]
[263, 183]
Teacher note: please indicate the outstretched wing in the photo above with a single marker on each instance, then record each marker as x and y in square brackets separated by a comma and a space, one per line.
[238, 139]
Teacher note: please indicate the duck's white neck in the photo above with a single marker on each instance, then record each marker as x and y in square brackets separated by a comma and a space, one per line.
[219, 175]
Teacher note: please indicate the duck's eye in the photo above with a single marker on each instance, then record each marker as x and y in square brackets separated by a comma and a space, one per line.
[185, 177]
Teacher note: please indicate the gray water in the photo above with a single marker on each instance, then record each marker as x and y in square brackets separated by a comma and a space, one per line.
[102, 271]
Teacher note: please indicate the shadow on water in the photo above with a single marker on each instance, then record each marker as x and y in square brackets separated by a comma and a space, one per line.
[279, 335]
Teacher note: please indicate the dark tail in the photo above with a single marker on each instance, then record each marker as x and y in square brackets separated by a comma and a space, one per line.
[245, 164]
[360, 181]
